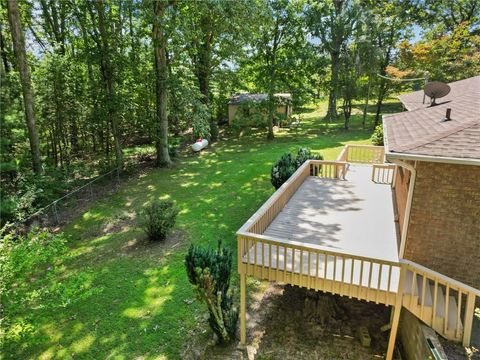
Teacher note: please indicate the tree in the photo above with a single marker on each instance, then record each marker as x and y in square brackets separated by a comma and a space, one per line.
[161, 76]
[450, 57]
[389, 22]
[444, 16]
[25, 78]
[279, 39]
[103, 35]
[332, 22]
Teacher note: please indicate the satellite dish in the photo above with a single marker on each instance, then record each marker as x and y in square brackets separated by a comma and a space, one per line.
[435, 90]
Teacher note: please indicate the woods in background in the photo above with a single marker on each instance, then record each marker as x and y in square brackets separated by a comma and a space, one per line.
[84, 80]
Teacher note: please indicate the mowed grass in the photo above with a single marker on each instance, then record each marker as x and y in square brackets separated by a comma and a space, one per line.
[141, 307]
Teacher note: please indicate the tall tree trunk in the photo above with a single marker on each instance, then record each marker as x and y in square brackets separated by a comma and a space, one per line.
[332, 91]
[381, 96]
[27, 90]
[271, 104]
[107, 72]
[161, 75]
[3, 52]
[365, 108]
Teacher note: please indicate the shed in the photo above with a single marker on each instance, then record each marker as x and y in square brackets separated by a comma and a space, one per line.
[284, 103]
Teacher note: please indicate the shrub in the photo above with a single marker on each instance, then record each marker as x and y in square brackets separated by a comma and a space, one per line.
[377, 136]
[158, 218]
[305, 154]
[282, 170]
[288, 164]
[209, 272]
[173, 148]
[32, 276]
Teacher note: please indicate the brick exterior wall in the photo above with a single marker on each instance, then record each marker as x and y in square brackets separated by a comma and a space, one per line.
[444, 228]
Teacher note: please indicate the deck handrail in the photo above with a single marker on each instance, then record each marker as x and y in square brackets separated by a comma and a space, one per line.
[463, 294]
[308, 246]
[274, 197]
[362, 153]
[287, 189]
[442, 278]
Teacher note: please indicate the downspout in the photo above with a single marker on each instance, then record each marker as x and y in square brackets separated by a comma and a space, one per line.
[408, 206]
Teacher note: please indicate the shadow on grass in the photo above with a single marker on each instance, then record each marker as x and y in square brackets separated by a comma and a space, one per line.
[140, 311]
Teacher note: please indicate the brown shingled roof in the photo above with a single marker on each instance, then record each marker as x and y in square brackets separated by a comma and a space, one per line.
[423, 131]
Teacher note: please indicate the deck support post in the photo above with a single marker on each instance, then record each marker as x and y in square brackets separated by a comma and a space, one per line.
[393, 331]
[243, 309]
[396, 310]
[468, 321]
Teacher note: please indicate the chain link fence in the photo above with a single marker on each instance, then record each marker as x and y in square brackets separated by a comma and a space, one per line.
[63, 209]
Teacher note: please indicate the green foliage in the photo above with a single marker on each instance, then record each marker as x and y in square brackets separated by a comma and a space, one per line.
[30, 266]
[250, 115]
[377, 136]
[209, 272]
[305, 154]
[158, 218]
[173, 147]
[282, 170]
[288, 164]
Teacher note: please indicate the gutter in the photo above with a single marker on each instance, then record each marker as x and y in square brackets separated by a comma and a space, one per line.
[408, 206]
[392, 156]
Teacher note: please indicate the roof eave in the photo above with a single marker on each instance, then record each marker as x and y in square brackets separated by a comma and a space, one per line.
[428, 158]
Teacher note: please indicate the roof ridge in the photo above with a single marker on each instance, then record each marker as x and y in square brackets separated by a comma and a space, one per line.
[434, 137]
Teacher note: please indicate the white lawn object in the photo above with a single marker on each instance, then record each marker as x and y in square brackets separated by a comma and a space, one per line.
[199, 145]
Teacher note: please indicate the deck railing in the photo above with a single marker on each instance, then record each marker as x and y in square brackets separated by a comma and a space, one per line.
[383, 173]
[432, 297]
[319, 268]
[259, 221]
[362, 154]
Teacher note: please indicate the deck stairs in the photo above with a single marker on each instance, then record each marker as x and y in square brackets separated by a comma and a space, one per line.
[434, 304]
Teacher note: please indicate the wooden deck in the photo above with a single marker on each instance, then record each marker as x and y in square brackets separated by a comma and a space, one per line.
[354, 216]
[331, 227]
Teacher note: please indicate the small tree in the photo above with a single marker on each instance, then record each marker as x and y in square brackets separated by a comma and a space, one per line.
[377, 136]
[158, 218]
[209, 272]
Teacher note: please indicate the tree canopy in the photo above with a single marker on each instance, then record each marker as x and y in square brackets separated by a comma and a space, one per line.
[84, 80]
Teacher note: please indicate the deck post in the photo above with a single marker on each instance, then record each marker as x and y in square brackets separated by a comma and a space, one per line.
[393, 331]
[395, 319]
[243, 309]
[468, 322]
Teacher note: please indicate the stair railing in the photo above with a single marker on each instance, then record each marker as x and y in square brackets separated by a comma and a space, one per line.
[463, 294]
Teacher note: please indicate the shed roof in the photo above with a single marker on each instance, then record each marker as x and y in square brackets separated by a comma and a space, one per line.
[244, 98]
[423, 130]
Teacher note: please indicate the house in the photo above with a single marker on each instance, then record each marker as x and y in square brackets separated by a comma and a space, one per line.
[398, 226]
[242, 101]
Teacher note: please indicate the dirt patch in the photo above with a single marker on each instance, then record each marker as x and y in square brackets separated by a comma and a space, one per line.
[458, 352]
[141, 244]
[292, 323]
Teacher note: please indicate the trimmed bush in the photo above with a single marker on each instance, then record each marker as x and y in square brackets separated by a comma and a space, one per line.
[377, 136]
[158, 218]
[209, 272]
[282, 170]
[288, 164]
[305, 154]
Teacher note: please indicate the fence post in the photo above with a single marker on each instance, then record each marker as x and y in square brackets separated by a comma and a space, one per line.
[91, 191]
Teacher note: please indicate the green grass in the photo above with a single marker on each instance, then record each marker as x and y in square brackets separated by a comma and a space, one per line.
[139, 308]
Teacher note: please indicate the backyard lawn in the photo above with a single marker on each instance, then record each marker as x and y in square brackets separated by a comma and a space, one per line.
[139, 303]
